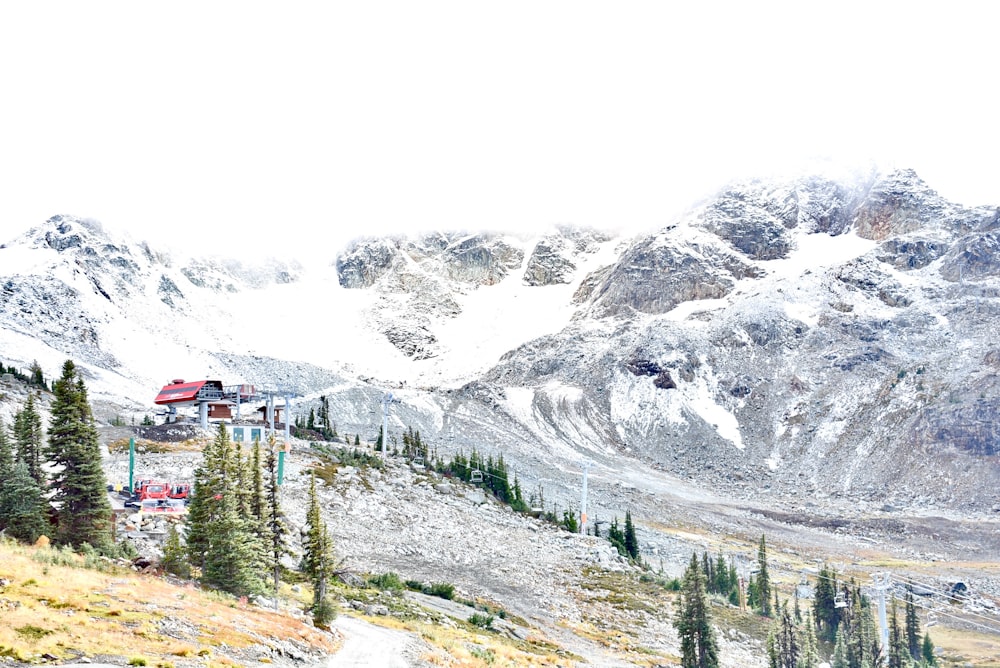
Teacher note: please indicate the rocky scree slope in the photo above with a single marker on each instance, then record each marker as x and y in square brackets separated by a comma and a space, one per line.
[802, 338]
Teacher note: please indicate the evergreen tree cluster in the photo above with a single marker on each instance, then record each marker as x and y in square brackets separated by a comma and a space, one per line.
[412, 445]
[624, 540]
[318, 424]
[699, 646]
[494, 475]
[792, 642]
[33, 377]
[721, 578]
[759, 590]
[69, 502]
[235, 536]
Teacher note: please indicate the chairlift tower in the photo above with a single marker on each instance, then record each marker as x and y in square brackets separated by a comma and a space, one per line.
[583, 498]
[883, 582]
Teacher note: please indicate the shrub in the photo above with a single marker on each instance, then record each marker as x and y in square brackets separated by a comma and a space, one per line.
[482, 621]
[441, 590]
[386, 581]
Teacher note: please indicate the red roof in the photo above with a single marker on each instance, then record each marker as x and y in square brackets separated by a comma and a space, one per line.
[177, 392]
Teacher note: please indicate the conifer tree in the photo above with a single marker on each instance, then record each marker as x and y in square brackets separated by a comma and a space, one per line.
[912, 628]
[630, 540]
[317, 559]
[37, 378]
[699, 648]
[898, 653]
[840, 658]
[224, 541]
[825, 612]
[927, 651]
[275, 527]
[786, 639]
[258, 500]
[28, 438]
[79, 482]
[174, 556]
[722, 584]
[23, 508]
[763, 580]
[809, 653]
[617, 538]
[210, 484]
[6, 456]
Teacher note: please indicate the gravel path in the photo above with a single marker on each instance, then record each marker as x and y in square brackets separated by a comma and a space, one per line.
[369, 645]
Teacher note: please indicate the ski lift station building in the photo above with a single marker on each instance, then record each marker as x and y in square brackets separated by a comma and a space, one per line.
[216, 402]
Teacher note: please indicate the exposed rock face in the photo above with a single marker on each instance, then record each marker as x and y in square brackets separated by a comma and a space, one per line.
[754, 222]
[660, 272]
[366, 263]
[898, 204]
[975, 256]
[553, 259]
[906, 253]
[481, 260]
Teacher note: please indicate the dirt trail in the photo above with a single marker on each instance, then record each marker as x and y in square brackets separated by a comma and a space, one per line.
[369, 645]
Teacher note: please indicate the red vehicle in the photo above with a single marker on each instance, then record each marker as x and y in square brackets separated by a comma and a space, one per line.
[151, 489]
[157, 491]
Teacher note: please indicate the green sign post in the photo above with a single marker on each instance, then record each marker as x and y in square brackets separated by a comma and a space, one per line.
[131, 463]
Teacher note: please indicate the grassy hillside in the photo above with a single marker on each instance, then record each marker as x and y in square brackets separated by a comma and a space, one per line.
[55, 605]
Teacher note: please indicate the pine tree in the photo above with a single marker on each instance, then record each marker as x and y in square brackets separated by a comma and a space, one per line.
[275, 528]
[840, 658]
[174, 556]
[809, 654]
[79, 482]
[311, 423]
[722, 585]
[317, 559]
[630, 540]
[617, 538]
[825, 612]
[786, 639]
[6, 457]
[258, 499]
[210, 484]
[912, 628]
[37, 378]
[927, 651]
[898, 654]
[224, 541]
[699, 648]
[23, 508]
[28, 438]
[763, 580]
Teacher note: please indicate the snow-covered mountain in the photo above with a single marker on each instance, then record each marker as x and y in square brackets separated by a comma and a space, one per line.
[803, 338]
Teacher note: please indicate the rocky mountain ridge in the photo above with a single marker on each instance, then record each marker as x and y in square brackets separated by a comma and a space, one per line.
[806, 338]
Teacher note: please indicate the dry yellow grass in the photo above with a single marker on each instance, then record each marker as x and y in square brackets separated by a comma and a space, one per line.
[69, 611]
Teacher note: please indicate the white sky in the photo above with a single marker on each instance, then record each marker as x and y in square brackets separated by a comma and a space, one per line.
[310, 123]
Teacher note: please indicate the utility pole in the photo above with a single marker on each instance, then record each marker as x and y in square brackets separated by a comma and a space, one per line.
[882, 584]
[583, 501]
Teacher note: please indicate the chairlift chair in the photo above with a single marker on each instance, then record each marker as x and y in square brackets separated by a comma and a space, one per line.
[840, 601]
[477, 475]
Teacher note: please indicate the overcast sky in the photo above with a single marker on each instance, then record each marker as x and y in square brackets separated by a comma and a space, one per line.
[304, 124]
